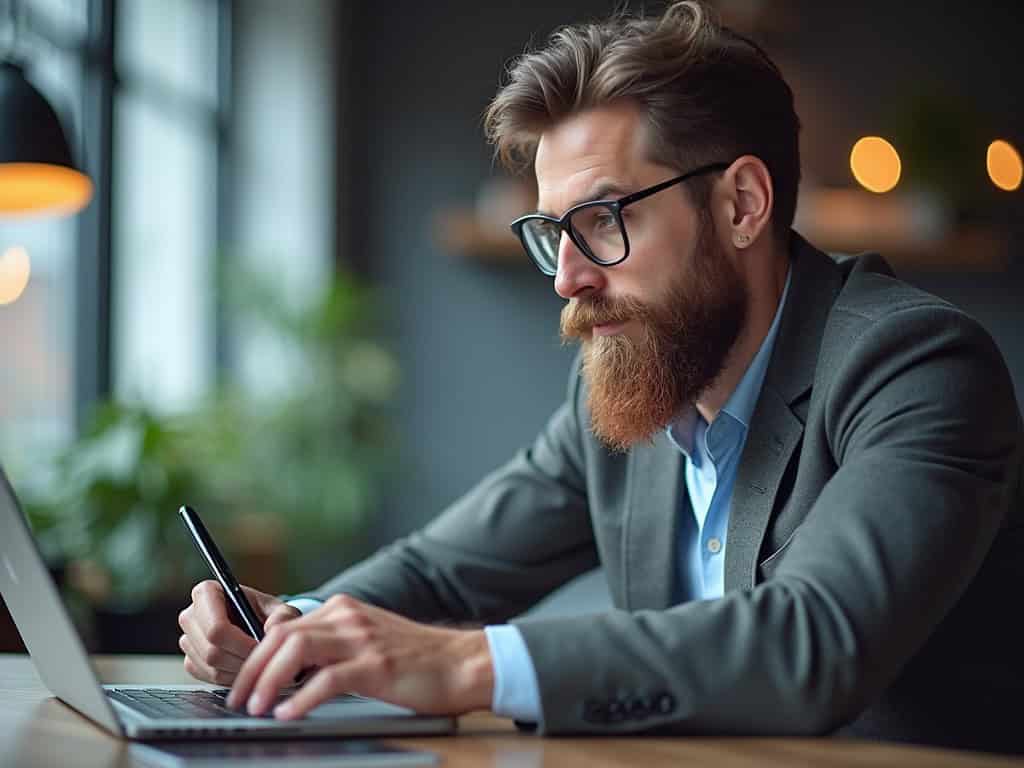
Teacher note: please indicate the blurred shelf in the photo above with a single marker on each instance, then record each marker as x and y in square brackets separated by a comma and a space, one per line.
[970, 249]
[459, 231]
[906, 231]
[910, 231]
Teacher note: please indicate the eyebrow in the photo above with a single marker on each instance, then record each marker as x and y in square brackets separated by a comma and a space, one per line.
[601, 192]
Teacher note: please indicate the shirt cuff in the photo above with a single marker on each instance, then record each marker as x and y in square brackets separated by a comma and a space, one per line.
[516, 693]
[304, 604]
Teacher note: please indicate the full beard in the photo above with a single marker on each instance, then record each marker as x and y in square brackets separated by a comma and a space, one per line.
[637, 385]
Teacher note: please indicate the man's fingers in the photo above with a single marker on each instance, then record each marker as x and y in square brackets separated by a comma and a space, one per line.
[325, 684]
[344, 632]
[211, 615]
[253, 666]
[261, 601]
[281, 614]
[205, 651]
[198, 668]
[299, 651]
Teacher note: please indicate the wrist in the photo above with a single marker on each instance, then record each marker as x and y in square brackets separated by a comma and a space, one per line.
[474, 670]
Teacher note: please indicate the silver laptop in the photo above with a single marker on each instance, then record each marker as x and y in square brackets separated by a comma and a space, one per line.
[155, 712]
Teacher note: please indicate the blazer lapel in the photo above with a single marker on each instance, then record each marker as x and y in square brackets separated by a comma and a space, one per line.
[773, 436]
[775, 430]
[651, 527]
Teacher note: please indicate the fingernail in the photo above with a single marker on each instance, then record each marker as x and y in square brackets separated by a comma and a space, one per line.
[255, 705]
[283, 710]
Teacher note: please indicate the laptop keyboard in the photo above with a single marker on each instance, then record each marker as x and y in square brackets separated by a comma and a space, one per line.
[162, 703]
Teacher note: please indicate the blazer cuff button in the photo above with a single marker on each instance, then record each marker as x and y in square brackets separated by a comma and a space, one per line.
[594, 711]
[616, 712]
[641, 708]
[666, 704]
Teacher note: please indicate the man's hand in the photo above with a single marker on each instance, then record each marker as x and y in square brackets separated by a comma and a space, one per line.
[214, 647]
[366, 650]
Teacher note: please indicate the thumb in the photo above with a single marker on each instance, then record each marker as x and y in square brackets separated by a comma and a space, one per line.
[261, 601]
[280, 614]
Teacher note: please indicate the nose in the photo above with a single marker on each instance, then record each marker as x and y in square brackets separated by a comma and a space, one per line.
[577, 275]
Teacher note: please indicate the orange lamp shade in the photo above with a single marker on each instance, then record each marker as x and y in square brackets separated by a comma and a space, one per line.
[37, 171]
[39, 187]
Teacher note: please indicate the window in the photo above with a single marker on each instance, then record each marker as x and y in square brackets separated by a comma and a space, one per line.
[166, 125]
[133, 273]
[37, 322]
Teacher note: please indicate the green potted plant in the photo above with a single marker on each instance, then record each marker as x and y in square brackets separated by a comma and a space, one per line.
[285, 483]
[310, 461]
[109, 521]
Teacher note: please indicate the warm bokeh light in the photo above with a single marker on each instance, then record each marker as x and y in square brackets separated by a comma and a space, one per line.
[14, 272]
[875, 164]
[1004, 165]
[40, 188]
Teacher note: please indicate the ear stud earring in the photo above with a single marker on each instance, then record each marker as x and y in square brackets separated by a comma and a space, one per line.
[742, 240]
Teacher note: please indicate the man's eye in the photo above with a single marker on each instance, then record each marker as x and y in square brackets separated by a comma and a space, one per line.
[606, 221]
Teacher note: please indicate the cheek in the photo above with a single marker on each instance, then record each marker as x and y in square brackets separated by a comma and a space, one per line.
[660, 254]
[659, 249]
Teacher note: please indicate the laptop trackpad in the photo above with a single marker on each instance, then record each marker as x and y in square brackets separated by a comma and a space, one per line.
[356, 706]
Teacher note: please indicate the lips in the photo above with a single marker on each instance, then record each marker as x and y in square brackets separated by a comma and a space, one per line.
[608, 329]
[601, 316]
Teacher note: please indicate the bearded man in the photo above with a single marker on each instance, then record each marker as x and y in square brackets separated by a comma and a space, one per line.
[802, 477]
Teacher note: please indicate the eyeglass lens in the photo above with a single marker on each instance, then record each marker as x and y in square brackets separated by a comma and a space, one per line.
[596, 228]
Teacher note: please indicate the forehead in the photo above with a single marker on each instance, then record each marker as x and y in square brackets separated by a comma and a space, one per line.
[599, 148]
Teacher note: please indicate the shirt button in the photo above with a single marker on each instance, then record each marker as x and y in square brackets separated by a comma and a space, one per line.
[714, 546]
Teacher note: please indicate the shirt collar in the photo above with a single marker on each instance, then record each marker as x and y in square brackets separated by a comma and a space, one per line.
[743, 399]
[741, 402]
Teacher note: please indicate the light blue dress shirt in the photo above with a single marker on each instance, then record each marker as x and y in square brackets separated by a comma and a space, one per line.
[712, 454]
[305, 604]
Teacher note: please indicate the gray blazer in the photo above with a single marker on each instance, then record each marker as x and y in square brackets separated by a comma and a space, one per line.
[875, 550]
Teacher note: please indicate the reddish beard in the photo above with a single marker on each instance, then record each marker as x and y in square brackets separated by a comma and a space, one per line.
[638, 384]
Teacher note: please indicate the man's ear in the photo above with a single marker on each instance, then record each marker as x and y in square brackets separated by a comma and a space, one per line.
[747, 199]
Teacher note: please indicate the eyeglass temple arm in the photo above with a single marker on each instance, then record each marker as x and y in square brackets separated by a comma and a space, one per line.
[710, 168]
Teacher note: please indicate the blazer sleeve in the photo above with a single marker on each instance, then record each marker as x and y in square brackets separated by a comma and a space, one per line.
[520, 533]
[922, 422]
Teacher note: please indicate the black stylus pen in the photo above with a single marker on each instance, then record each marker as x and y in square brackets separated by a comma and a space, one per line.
[208, 549]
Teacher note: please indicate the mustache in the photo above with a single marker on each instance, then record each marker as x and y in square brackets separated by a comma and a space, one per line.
[580, 316]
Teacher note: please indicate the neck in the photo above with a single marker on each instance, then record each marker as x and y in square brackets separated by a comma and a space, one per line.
[766, 280]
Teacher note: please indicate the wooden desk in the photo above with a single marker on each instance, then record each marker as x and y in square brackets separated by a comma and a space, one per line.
[37, 730]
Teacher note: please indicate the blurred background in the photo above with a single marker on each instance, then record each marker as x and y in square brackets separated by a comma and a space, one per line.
[292, 301]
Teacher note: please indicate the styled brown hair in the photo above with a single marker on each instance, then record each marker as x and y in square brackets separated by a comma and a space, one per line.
[709, 95]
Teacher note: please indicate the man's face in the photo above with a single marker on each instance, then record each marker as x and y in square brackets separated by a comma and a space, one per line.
[656, 329]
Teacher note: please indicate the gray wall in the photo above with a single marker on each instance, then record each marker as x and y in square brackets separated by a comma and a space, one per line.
[478, 344]
[282, 202]
[482, 364]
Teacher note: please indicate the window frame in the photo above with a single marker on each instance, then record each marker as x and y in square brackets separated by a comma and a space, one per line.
[103, 82]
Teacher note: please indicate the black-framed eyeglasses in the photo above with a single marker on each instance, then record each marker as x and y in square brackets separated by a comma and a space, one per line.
[596, 228]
